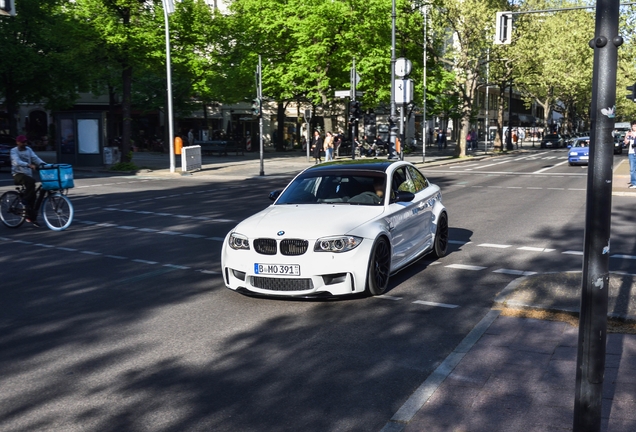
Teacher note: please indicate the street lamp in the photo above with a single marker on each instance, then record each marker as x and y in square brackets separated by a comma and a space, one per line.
[168, 8]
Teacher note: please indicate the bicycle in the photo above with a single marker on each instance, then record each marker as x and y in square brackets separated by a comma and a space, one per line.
[57, 210]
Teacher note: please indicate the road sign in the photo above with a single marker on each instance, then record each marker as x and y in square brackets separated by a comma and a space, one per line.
[343, 93]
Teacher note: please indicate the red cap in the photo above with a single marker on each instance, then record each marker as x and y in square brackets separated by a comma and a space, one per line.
[21, 138]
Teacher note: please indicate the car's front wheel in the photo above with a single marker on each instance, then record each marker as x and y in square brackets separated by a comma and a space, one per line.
[441, 237]
[379, 267]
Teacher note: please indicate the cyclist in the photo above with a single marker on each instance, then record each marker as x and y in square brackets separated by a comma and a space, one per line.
[23, 161]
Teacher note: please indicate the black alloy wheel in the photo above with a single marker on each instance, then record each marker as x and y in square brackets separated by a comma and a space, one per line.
[379, 267]
[441, 237]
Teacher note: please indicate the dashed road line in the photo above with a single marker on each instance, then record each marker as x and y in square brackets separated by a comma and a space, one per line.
[465, 267]
[444, 305]
[515, 272]
[570, 252]
[535, 249]
[388, 297]
[492, 245]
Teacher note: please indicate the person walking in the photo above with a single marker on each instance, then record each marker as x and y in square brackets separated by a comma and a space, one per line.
[328, 146]
[441, 140]
[630, 141]
[316, 147]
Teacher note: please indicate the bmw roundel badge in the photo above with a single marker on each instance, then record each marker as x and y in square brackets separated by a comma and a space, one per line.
[280, 233]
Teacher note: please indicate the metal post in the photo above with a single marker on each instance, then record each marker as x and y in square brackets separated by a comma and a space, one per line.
[509, 134]
[260, 117]
[352, 86]
[487, 102]
[392, 125]
[168, 7]
[595, 279]
[425, 11]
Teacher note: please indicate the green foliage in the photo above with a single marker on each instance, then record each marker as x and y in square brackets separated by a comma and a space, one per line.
[124, 166]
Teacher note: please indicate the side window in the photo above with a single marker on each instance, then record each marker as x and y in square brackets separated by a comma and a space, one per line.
[419, 181]
[399, 180]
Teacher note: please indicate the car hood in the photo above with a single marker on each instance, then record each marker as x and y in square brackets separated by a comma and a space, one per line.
[307, 221]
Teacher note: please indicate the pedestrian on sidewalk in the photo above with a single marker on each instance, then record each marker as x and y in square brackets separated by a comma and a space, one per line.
[328, 146]
[441, 140]
[316, 147]
[630, 141]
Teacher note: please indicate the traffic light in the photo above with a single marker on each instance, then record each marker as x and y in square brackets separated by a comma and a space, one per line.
[354, 110]
[256, 107]
[632, 92]
[503, 29]
[7, 7]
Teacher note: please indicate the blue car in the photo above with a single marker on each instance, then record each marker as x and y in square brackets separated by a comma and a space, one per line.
[579, 151]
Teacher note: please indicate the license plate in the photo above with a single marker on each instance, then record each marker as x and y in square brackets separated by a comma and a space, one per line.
[584, 157]
[277, 269]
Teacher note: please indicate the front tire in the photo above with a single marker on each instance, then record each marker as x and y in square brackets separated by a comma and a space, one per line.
[12, 211]
[57, 211]
[379, 267]
[441, 237]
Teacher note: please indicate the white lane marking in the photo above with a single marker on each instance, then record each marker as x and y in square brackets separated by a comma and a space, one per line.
[145, 261]
[67, 249]
[535, 249]
[194, 235]
[174, 266]
[492, 245]
[170, 232]
[444, 305]
[515, 272]
[215, 238]
[465, 267]
[43, 245]
[127, 227]
[514, 187]
[632, 257]
[575, 189]
[556, 188]
[388, 297]
[149, 230]
[535, 188]
[210, 272]
[116, 257]
[569, 252]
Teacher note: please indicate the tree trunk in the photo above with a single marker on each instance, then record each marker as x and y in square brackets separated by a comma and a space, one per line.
[280, 115]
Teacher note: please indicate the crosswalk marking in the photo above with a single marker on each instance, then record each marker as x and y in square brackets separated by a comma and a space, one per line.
[444, 305]
[465, 267]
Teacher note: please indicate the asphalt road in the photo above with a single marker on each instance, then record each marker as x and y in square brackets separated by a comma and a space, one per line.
[122, 322]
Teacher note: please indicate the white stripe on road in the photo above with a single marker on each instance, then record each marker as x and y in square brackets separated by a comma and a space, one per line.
[388, 297]
[535, 249]
[549, 168]
[492, 245]
[632, 257]
[572, 252]
[465, 267]
[515, 272]
[444, 305]
[459, 242]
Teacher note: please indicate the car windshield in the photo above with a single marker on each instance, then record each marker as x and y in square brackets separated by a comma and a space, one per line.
[582, 143]
[336, 188]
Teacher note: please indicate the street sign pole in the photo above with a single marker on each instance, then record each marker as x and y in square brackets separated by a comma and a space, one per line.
[595, 279]
[353, 83]
[259, 90]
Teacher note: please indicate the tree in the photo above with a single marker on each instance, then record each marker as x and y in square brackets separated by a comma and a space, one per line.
[42, 58]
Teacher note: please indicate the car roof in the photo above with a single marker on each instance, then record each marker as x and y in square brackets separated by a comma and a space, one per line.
[350, 165]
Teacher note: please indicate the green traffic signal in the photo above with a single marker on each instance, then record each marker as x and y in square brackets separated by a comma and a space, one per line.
[256, 107]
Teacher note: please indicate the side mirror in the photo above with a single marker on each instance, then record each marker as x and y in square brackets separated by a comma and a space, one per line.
[403, 196]
[274, 195]
[569, 146]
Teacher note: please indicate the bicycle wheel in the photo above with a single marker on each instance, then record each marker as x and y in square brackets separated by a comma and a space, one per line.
[57, 211]
[12, 210]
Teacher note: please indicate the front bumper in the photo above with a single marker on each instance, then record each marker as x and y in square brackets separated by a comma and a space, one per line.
[321, 273]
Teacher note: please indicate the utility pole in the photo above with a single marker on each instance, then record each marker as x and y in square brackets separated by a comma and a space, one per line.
[259, 94]
[590, 362]
[352, 115]
[392, 118]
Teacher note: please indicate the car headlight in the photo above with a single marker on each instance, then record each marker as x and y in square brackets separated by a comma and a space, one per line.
[238, 242]
[573, 154]
[337, 244]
